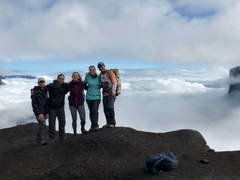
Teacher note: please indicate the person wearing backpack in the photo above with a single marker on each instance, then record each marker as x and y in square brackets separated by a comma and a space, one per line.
[76, 102]
[93, 96]
[40, 108]
[109, 84]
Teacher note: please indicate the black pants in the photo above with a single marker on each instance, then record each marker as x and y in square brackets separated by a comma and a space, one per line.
[60, 114]
[40, 134]
[108, 108]
[93, 106]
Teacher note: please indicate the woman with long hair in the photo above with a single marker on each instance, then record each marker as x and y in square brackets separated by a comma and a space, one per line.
[76, 102]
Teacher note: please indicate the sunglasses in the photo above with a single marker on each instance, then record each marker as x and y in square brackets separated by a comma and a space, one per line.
[41, 81]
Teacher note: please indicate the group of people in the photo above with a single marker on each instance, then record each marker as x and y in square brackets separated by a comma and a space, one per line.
[48, 101]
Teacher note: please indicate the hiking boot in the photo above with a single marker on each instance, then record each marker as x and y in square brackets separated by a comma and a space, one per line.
[106, 126]
[94, 129]
[42, 143]
[111, 125]
[84, 131]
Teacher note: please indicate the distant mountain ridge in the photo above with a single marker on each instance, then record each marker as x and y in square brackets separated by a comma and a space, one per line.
[15, 76]
[18, 76]
[234, 73]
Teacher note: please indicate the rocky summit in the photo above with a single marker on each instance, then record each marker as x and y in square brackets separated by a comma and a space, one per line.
[111, 153]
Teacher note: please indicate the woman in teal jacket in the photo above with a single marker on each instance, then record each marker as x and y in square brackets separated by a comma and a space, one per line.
[93, 96]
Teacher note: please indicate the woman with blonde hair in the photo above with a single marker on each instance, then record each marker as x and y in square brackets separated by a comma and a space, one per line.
[76, 102]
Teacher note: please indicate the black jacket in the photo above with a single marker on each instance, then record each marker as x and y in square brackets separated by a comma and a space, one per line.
[40, 101]
[57, 94]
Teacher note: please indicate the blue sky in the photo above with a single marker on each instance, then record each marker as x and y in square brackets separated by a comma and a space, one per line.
[53, 65]
[62, 35]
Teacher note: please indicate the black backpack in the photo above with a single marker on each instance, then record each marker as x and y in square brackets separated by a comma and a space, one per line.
[157, 163]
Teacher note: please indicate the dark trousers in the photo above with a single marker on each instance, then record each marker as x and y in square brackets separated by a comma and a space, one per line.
[108, 108]
[93, 106]
[40, 134]
[60, 114]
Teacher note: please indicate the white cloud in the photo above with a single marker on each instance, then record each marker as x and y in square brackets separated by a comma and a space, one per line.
[153, 100]
[149, 30]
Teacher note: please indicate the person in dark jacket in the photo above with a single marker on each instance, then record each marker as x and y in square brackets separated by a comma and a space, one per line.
[40, 108]
[93, 96]
[57, 91]
[76, 102]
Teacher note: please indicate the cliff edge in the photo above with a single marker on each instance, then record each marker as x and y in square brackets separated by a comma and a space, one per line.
[116, 153]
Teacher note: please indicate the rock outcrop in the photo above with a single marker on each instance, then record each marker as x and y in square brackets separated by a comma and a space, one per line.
[111, 153]
[234, 75]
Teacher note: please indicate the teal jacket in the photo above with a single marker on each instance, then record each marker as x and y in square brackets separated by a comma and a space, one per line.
[93, 84]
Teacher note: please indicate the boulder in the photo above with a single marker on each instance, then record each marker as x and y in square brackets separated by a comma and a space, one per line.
[111, 153]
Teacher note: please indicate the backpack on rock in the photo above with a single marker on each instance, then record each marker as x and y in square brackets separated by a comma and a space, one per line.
[157, 163]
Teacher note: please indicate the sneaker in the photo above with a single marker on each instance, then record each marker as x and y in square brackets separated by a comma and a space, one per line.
[94, 129]
[106, 126]
[111, 125]
[84, 131]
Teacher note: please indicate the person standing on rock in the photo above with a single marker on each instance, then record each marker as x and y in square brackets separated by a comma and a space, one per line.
[57, 91]
[109, 83]
[93, 96]
[76, 102]
[40, 108]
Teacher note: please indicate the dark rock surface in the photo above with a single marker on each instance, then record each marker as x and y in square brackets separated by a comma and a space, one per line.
[117, 153]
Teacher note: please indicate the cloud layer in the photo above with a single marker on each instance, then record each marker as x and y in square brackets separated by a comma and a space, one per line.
[153, 100]
[182, 31]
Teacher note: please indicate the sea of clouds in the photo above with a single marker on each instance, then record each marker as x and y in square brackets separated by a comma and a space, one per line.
[153, 100]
